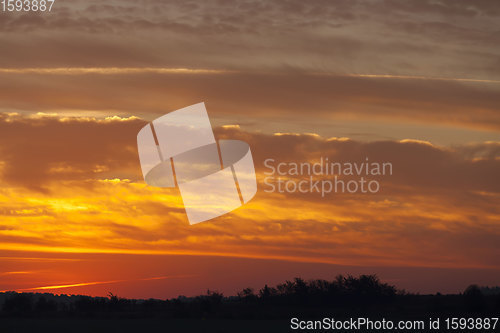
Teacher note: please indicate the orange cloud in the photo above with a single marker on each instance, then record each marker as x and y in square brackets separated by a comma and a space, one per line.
[83, 211]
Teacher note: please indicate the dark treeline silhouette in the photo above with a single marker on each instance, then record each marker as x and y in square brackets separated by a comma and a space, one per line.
[345, 297]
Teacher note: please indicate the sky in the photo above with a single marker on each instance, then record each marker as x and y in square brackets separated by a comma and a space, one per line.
[413, 83]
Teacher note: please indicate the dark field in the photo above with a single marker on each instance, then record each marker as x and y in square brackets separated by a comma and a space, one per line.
[268, 310]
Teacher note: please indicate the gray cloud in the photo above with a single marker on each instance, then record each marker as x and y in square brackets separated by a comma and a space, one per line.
[439, 38]
[38, 151]
[261, 96]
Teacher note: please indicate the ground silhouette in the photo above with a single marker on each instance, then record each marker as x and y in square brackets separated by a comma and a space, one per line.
[269, 307]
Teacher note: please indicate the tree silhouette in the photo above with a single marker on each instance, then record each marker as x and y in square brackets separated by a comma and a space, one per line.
[473, 298]
[364, 295]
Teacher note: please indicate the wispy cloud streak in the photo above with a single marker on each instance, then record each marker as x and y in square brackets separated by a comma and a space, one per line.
[167, 70]
[109, 70]
[83, 284]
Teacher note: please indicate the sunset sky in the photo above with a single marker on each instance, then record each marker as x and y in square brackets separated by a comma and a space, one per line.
[414, 83]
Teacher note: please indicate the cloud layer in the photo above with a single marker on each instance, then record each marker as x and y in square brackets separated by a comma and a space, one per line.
[259, 98]
[433, 38]
[74, 185]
